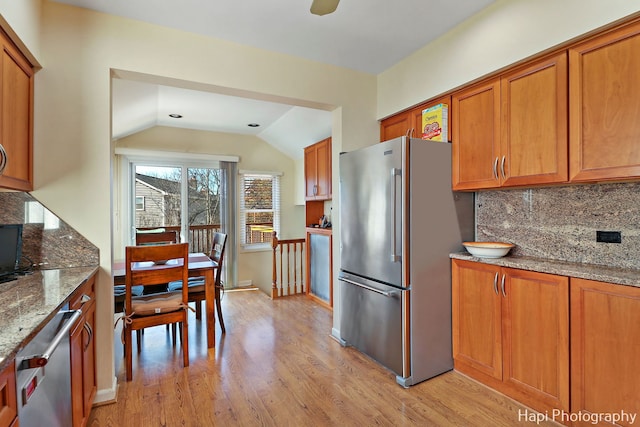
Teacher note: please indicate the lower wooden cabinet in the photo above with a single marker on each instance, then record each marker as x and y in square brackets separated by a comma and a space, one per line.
[8, 399]
[83, 372]
[511, 332]
[605, 350]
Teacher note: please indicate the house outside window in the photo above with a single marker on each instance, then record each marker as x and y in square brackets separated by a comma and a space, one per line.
[259, 209]
[139, 203]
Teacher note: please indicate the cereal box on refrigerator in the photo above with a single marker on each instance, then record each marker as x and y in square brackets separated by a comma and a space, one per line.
[435, 123]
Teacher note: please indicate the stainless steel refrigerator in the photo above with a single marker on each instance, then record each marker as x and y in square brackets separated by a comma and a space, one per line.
[399, 222]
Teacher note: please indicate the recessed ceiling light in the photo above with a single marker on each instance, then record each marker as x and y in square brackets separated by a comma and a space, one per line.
[175, 116]
[253, 125]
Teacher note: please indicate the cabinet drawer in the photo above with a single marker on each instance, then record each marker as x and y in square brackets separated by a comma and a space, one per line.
[80, 296]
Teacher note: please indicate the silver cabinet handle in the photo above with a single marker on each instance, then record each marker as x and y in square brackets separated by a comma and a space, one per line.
[394, 220]
[3, 159]
[495, 169]
[369, 288]
[89, 329]
[504, 293]
[495, 284]
[502, 167]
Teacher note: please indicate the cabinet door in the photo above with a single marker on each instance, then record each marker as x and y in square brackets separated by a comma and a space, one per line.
[77, 393]
[396, 126]
[323, 168]
[8, 399]
[319, 267]
[16, 118]
[604, 106]
[535, 336]
[534, 141]
[476, 136]
[89, 385]
[605, 344]
[477, 313]
[310, 172]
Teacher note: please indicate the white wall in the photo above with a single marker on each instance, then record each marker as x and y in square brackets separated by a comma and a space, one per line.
[254, 154]
[21, 20]
[299, 188]
[502, 34]
[80, 49]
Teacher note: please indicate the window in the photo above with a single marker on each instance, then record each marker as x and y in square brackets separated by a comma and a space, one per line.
[194, 194]
[139, 203]
[259, 209]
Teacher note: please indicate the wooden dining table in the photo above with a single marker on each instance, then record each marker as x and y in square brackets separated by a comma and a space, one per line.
[200, 265]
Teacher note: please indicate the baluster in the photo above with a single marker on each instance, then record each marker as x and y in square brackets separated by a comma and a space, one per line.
[281, 272]
[295, 269]
[274, 271]
[302, 276]
[288, 268]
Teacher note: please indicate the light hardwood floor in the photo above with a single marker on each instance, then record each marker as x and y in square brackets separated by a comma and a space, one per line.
[278, 366]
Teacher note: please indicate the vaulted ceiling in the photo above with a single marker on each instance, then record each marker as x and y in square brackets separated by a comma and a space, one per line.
[364, 35]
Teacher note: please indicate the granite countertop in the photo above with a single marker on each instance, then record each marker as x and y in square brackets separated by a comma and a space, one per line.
[601, 273]
[28, 303]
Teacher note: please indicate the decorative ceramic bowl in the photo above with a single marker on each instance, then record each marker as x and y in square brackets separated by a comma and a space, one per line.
[488, 249]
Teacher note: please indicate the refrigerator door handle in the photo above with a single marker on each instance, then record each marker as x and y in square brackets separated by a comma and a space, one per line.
[394, 220]
[369, 288]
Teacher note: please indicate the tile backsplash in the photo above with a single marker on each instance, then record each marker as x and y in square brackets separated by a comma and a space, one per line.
[561, 222]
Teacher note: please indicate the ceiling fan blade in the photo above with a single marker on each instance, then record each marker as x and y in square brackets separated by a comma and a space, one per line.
[323, 7]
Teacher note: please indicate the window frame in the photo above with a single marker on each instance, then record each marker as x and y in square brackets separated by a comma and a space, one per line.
[143, 203]
[242, 211]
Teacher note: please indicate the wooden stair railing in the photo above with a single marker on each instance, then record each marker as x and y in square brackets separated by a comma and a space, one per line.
[287, 263]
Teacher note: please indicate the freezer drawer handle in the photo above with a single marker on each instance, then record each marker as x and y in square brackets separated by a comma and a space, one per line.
[394, 172]
[39, 360]
[390, 294]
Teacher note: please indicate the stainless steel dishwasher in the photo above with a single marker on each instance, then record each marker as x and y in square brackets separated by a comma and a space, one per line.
[43, 374]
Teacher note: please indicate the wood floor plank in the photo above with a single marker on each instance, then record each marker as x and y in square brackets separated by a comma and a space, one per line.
[278, 366]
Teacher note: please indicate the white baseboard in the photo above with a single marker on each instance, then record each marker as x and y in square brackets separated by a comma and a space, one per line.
[245, 283]
[335, 334]
[107, 396]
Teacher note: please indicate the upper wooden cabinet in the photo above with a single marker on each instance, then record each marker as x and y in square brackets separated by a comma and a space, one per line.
[512, 130]
[605, 106]
[409, 123]
[397, 125]
[476, 141]
[317, 170]
[511, 331]
[16, 118]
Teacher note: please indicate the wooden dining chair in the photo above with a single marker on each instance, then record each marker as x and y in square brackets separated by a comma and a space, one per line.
[196, 284]
[153, 237]
[162, 264]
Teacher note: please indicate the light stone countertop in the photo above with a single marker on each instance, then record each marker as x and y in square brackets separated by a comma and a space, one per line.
[28, 303]
[601, 273]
